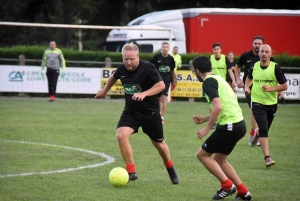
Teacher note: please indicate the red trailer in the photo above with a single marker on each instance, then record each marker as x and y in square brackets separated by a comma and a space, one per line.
[196, 29]
[235, 29]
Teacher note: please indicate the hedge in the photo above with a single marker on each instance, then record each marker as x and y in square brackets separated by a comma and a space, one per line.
[36, 52]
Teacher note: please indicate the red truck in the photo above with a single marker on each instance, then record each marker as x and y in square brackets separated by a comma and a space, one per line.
[196, 29]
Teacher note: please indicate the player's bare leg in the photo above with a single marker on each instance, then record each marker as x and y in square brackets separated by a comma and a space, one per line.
[123, 134]
[163, 105]
[164, 153]
[227, 168]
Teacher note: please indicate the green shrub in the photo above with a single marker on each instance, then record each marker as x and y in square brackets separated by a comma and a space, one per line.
[36, 52]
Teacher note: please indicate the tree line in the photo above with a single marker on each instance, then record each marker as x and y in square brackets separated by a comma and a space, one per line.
[95, 12]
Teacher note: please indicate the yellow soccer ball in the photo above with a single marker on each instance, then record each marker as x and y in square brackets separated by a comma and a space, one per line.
[118, 177]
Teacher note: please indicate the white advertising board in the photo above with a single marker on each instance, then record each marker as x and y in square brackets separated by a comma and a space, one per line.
[29, 79]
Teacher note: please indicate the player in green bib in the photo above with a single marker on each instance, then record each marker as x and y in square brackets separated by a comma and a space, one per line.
[230, 129]
[267, 79]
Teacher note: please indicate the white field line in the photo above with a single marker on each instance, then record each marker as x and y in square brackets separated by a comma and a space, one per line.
[109, 159]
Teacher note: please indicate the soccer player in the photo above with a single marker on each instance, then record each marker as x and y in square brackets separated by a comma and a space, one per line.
[246, 60]
[231, 64]
[165, 64]
[177, 58]
[230, 129]
[142, 83]
[220, 64]
[267, 79]
[53, 59]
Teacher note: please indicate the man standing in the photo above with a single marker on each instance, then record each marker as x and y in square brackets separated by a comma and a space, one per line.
[246, 60]
[230, 129]
[165, 64]
[177, 59]
[231, 63]
[220, 63]
[142, 83]
[53, 59]
[264, 78]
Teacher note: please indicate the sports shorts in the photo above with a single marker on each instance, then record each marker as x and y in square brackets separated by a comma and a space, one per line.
[151, 123]
[224, 138]
[167, 86]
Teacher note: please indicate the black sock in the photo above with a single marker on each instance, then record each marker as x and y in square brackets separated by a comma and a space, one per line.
[267, 157]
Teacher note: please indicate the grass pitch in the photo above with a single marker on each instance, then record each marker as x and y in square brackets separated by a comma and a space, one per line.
[89, 124]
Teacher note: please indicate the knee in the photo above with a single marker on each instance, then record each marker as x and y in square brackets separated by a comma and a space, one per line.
[159, 145]
[199, 155]
[121, 136]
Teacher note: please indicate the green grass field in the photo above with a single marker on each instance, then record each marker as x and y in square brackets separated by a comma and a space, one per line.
[28, 126]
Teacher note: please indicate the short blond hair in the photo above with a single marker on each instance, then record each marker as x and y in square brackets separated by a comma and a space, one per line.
[130, 46]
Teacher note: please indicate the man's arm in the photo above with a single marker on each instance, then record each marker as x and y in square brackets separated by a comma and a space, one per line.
[232, 77]
[110, 82]
[155, 89]
[237, 72]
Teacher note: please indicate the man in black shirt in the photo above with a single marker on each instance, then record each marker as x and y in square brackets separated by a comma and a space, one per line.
[142, 83]
[165, 64]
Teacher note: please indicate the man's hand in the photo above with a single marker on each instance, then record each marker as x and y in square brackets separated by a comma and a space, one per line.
[101, 94]
[62, 73]
[233, 84]
[43, 72]
[202, 132]
[240, 84]
[247, 91]
[198, 119]
[138, 96]
[266, 88]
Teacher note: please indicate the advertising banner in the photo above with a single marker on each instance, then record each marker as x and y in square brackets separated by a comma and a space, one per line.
[187, 85]
[30, 79]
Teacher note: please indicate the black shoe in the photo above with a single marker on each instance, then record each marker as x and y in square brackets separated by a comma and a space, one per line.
[132, 176]
[221, 193]
[173, 175]
[246, 197]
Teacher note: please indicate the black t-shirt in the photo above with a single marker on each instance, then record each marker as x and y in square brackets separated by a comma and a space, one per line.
[164, 65]
[278, 73]
[139, 80]
[210, 87]
[246, 60]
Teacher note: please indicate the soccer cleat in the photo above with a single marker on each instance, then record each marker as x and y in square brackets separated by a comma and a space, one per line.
[51, 98]
[269, 162]
[254, 140]
[132, 176]
[173, 175]
[221, 193]
[246, 197]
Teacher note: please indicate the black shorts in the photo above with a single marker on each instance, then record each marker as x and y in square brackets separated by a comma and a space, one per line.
[224, 138]
[167, 86]
[150, 123]
[264, 116]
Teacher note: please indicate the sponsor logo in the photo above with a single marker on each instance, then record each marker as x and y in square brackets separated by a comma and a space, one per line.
[16, 76]
[164, 69]
[132, 88]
